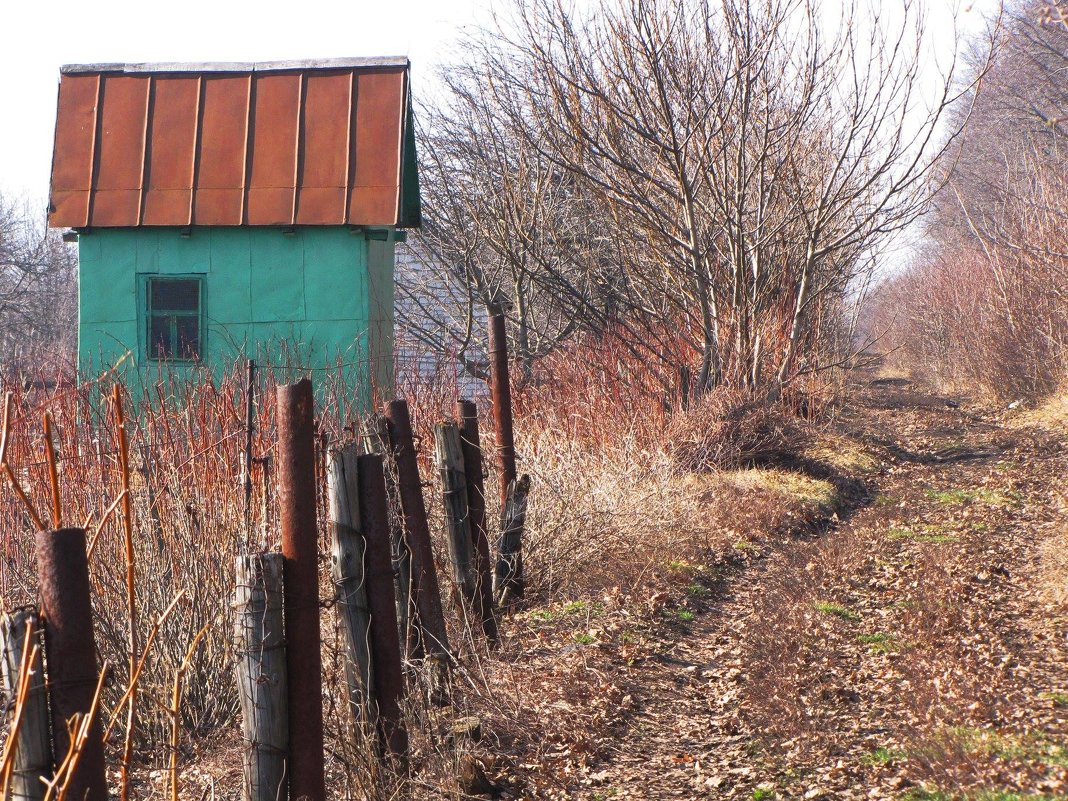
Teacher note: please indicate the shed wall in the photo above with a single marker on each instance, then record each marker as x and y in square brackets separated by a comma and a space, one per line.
[313, 298]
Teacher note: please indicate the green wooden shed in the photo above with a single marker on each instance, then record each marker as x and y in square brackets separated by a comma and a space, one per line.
[231, 211]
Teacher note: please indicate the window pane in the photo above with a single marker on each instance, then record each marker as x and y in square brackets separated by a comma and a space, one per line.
[159, 337]
[188, 337]
[175, 294]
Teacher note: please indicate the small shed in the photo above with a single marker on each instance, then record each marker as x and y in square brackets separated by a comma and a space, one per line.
[230, 211]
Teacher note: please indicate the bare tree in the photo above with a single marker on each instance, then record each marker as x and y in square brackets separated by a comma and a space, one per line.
[734, 168]
[38, 289]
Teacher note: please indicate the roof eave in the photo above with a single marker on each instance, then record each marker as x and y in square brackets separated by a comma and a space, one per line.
[238, 66]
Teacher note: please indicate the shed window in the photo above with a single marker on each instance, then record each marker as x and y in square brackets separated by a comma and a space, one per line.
[174, 318]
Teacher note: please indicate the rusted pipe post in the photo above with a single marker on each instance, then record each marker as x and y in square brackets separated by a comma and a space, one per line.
[347, 566]
[32, 755]
[448, 455]
[385, 645]
[296, 502]
[261, 675]
[70, 648]
[501, 395]
[467, 414]
[425, 588]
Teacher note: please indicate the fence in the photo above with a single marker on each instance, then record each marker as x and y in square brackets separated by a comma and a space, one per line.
[385, 593]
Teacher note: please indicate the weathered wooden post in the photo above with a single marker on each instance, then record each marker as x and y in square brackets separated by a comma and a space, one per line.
[501, 396]
[261, 675]
[467, 413]
[304, 667]
[347, 566]
[448, 455]
[32, 757]
[70, 649]
[385, 645]
[377, 438]
[508, 582]
[425, 588]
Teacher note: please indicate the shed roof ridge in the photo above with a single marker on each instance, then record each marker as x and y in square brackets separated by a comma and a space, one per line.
[345, 62]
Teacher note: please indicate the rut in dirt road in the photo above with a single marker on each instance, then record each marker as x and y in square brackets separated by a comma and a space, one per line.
[916, 650]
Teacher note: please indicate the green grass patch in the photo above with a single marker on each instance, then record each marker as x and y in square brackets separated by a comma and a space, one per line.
[585, 639]
[883, 756]
[1054, 697]
[685, 615]
[926, 535]
[838, 610]
[880, 642]
[763, 794]
[1011, 747]
[570, 609]
[927, 794]
[683, 566]
[885, 500]
[990, 497]
[698, 590]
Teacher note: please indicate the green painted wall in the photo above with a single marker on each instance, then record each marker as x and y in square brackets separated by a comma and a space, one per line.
[315, 298]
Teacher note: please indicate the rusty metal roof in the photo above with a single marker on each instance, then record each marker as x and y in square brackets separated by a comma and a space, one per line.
[274, 143]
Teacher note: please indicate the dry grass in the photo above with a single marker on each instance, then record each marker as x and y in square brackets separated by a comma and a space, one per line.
[612, 522]
[730, 429]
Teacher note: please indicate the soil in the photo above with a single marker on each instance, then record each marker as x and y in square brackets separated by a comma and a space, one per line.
[911, 647]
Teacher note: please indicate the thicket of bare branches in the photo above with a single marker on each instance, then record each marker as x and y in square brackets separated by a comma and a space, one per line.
[38, 289]
[986, 304]
[706, 182]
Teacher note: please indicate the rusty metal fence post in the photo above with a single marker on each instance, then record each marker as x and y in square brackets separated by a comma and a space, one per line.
[296, 502]
[501, 396]
[261, 675]
[467, 413]
[385, 644]
[70, 648]
[32, 757]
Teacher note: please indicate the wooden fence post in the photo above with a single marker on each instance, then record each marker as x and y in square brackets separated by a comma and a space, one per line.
[448, 455]
[508, 582]
[261, 675]
[377, 438]
[296, 473]
[467, 413]
[417, 531]
[32, 755]
[70, 650]
[385, 645]
[347, 565]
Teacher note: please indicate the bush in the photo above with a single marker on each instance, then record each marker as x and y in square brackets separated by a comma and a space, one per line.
[730, 428]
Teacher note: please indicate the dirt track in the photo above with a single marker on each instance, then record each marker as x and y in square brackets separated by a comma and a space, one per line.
[914, 650]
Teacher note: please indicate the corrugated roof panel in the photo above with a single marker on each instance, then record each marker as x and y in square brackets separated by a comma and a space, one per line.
[375, 193]
[120, 161]
[219, 198]
[172, 142]
[312, 143]
[72, 159]
[272, 184]
[324, 168]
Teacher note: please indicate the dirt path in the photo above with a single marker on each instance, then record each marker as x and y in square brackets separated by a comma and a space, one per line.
[916, 650]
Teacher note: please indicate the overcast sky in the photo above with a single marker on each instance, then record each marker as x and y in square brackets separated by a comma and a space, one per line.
[40, 35]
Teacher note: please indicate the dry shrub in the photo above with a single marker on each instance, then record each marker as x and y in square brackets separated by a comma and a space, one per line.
[730, 428]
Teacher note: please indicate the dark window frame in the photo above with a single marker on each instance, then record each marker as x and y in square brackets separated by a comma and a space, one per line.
[152, 313]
